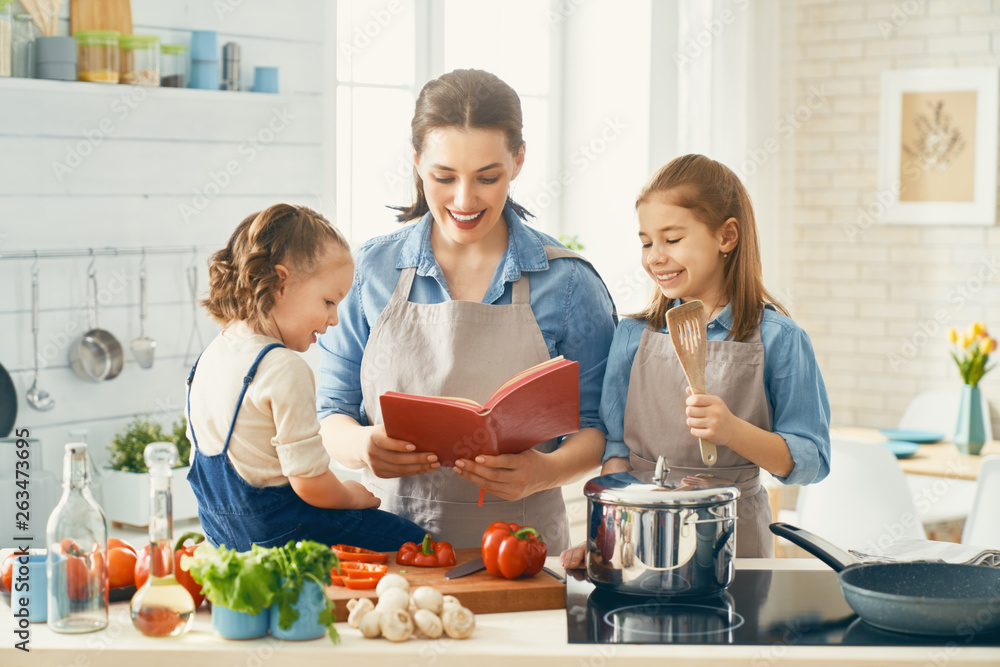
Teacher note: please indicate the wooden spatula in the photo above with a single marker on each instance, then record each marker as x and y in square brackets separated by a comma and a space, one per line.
[100, 15]
[687, 324]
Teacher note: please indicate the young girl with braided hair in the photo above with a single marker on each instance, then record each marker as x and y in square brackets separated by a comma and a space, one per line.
[258, 466]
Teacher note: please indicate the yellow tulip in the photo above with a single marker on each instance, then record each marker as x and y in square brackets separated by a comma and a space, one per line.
[987, 345]
[965, 340]
[978, 328]
[952, 335]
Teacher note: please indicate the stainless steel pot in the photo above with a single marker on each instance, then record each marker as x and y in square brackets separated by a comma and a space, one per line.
[648, 536]
[97, 355]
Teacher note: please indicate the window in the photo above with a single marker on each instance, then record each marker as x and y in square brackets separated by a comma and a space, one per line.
[386, 51]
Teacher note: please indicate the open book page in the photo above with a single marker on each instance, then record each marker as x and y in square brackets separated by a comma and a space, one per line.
[457, 401]
[523, 377]
[907, 549]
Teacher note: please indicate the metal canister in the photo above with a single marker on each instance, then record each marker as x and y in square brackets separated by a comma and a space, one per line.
[231, 66]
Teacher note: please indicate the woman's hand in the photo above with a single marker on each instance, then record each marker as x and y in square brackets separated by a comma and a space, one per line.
[573, 557]
[388, 457]
[709, 418]
[507, 476]
[361, 497]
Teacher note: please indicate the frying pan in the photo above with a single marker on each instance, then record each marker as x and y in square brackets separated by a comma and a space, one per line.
[8, 403]
[98, 354]
[929, 598]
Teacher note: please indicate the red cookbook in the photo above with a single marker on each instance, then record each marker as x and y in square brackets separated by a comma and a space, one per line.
[537, 404]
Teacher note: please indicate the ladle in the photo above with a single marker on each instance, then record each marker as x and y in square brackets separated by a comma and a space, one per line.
[143, 347]
[39, 399]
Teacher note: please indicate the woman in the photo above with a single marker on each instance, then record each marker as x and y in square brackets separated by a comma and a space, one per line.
[455, 305]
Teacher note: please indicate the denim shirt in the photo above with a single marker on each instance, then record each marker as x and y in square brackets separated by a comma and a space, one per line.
[800, 409]
[570, 301]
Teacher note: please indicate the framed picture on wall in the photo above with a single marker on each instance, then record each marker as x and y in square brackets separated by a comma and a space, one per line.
[938, 146]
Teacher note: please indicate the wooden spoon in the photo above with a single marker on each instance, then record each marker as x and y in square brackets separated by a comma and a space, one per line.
[688, 324]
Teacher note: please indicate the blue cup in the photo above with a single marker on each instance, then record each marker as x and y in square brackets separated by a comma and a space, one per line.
[29, 599]
[230, 624]
[205, 74]
[312, 600]
[265, 80]
[204, 45]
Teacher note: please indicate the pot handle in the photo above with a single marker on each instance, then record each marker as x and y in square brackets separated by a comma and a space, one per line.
[830, 554]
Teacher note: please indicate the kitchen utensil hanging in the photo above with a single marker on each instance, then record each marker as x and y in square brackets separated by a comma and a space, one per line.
[98, 354]
[143, 347]
[8, 403]
[192, 280]
[39, 399]
[689, 334]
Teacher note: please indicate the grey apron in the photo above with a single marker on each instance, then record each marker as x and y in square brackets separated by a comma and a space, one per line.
[655, 423]
[457, 348]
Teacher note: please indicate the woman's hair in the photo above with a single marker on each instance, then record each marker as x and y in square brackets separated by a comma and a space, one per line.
[241, 277]
[713, 194]
[465, 98]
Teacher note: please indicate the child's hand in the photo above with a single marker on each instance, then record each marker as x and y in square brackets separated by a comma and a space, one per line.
[709, 418]
[363, 499]
[573, 557]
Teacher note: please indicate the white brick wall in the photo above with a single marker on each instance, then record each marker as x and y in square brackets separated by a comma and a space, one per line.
[870, 294]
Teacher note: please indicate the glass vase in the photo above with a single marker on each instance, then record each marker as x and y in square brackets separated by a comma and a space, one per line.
[970, 431]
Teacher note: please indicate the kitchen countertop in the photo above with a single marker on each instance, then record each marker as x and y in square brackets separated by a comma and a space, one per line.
[500, 639]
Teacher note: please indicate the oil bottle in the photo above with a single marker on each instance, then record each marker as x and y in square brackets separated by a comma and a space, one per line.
[162, 607]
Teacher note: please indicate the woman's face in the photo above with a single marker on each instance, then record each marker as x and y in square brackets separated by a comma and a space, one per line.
[466, 173]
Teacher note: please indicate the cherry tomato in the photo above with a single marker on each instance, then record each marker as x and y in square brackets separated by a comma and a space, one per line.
[121, 567]
[7, 573]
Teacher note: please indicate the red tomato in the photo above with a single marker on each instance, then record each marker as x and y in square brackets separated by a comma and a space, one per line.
[7, 573]
[121, 567]
[115, 543]
[183, 576]
[77, 578]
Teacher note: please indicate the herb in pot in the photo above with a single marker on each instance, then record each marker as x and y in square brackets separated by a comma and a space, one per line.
[128, 446]
[297, 563]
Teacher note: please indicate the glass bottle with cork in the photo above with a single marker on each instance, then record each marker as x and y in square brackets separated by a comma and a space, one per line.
[162, 607]
[77, 539]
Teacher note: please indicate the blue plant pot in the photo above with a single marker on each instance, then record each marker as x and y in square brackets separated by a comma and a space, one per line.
[312, 600]
[230, 624]
[970, 431]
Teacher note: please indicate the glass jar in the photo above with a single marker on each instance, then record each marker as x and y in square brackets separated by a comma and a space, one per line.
[6, 33]
[23, 49]
[77, 540]
[97, 55]
[173, 65]
[140, 60]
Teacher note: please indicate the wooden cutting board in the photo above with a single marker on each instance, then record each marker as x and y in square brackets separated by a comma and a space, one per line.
[481, 592]
[100, 15]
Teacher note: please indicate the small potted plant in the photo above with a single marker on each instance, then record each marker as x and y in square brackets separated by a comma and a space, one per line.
[971, 351]
[125, 480]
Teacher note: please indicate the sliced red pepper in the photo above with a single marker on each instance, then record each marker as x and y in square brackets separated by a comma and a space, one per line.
[427, 554]
[512, 551]
[361, 584]
[346, 552]
[357, 571]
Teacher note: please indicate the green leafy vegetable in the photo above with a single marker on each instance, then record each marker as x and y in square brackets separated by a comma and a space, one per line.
[129, 445]
[251, 581]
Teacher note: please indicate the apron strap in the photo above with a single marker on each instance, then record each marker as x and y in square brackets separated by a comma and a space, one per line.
[520, 290]
[194, 438]
[403, 285]
[246, 383]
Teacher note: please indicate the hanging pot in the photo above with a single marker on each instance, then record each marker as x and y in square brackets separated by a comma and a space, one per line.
[8, 403]
[98, 354]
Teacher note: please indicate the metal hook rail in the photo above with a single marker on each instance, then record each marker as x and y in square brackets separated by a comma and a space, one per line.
[106, 251]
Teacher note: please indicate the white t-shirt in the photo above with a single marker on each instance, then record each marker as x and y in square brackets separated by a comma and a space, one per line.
[277, 432]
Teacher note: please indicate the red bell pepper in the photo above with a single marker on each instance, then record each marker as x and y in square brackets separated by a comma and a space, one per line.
[426, 554]
[82, 569]
[142, 565]
[346, 552]
[512, 551]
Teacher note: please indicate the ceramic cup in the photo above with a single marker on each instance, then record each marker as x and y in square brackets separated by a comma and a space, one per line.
[29, 599]
[204, 45]
[205, 74]
[55, 58]
[230, 624]
[265, 80]
[310, 604]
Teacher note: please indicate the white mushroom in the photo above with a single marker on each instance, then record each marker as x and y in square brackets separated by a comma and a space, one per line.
[428, 597]
[396, 625]
[370, 624]
[428, 623]
[392, 599]
[392, 581]
[448, 602]
[358, 608]
[458, 622]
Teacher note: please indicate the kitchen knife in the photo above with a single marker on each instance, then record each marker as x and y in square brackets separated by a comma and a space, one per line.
[464, 569]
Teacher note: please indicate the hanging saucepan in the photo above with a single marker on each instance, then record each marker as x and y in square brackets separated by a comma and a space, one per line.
[922, 598]
[8, 403]
[98, 354]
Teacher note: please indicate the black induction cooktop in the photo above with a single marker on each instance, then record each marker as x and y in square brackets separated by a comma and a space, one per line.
[760, 607]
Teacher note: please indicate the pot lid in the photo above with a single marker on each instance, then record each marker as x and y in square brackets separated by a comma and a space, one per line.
[652, 488]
